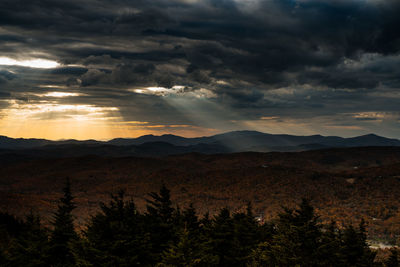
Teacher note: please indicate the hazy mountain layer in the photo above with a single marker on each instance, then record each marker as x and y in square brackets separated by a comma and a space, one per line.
[150, 145]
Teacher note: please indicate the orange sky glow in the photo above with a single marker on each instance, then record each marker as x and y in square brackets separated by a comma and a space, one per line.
[59, 121]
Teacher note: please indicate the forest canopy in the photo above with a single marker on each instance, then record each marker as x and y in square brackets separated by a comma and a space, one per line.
[166, 235]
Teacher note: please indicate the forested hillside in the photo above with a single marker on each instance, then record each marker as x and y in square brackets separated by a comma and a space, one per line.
[344, 185]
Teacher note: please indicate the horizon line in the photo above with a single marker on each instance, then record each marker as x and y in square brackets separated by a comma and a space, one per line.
[203, 136]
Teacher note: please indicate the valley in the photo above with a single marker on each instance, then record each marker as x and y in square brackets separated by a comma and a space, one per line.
[344, 184]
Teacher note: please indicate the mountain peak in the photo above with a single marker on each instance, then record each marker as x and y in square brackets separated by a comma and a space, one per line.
[371, 135]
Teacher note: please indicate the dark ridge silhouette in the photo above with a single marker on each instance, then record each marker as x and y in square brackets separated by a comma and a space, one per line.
[151, 145]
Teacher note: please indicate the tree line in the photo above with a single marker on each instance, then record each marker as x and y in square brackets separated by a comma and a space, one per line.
[165, 235]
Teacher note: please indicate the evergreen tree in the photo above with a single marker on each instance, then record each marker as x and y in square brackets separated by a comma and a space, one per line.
[3, 258]
[193, 247]
[160, 205]
[190, 220]
[189, 251]
[355, 249]
[296, 242]
[222, 238]
[301, 232]
[206, 221]
[393, 260]
[10, 228]
[329, 250]
[160, 222]
[115, 236]
[63, 233]
[30, 247]
[246, 234]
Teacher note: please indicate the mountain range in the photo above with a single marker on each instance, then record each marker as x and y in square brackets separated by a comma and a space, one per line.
[152, 145]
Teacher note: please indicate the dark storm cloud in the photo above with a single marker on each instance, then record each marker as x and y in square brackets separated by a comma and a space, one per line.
[4, 95]
[275, 36]
[330, 54]
[6, 76]
[339, 79]
[70, 71]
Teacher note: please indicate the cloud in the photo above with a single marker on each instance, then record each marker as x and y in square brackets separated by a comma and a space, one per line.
[292, 59]
[6, 76]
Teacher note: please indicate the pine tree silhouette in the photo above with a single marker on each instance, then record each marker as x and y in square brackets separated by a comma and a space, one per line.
[63, 233]
[115, 235]
[393, 260]
[29, 248]
[160, 222]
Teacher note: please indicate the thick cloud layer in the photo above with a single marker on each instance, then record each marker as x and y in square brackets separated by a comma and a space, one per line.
[301, 66]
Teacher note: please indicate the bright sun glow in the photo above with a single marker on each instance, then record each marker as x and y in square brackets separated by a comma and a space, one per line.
[159, 90]
[60, 94]
[52, 120]
[43, 110]
[32, 63]
[55, 121]
[156, 89]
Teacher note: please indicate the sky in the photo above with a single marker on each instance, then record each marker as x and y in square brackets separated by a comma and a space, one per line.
[100, 69]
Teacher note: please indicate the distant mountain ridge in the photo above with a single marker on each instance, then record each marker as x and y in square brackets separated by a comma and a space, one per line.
[152, 145]
[242, 140]
[22, 143]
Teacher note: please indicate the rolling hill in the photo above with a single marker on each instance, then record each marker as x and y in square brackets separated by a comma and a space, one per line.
[345, 184]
